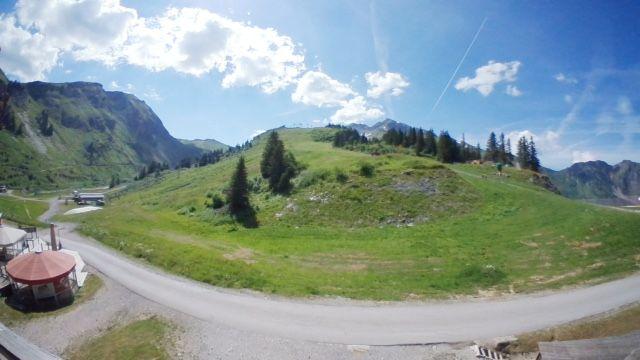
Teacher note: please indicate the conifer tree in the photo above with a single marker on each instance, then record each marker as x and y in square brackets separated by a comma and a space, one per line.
[420, 142]
[492, 148]
[238, 196]
[534, 162]
[523, 156]
[265, 164]
[447, 148]
[502, 149]
[509, 153]
[430, 142]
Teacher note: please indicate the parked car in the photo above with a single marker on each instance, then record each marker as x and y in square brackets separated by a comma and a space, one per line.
[3, 188]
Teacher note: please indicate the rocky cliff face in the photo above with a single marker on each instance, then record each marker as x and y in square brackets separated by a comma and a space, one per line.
[79, 133]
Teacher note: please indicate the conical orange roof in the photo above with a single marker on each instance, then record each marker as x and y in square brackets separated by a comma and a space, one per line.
[40, 267]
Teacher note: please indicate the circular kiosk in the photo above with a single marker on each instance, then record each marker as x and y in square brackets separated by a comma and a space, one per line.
[43, 278]
[11, 241]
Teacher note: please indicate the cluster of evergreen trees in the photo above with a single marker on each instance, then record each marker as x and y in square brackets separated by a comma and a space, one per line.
[238, 196]
[348, 136]
[498, 150]
[528, 155]
[153, 167]
[212, 157]
[443, 146]
[277, 165]
[8, 120]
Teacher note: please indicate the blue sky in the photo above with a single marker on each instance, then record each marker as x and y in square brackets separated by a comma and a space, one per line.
[566, 73]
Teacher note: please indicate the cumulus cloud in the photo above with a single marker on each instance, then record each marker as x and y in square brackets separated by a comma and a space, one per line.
[560, 77]
[385, 83]
[356, 110]
[319, 89]
[27, 56]
[512, 90]
[188, 40]
[488, 76]
[582, 156]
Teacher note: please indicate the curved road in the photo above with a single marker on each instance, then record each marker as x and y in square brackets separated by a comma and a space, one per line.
[353, 322]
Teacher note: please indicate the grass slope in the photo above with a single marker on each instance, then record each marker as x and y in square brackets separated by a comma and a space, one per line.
[414, 229]
[142, 339]
[25, 212]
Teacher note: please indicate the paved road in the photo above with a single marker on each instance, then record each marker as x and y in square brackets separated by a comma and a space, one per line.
[352, 322]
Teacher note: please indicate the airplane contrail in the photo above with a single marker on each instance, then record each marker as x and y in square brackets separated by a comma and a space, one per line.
[458, 67]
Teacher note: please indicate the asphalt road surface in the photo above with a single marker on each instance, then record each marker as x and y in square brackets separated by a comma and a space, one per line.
[355, 322]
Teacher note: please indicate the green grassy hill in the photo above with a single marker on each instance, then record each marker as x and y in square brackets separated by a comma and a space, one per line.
[415, 229]
[77, 133]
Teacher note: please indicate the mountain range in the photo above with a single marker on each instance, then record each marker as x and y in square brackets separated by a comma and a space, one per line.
[600, 182]
[78, 133]
[378, 129]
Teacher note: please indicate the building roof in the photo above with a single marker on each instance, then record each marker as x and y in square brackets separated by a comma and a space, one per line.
[10, 236]
[40, 267]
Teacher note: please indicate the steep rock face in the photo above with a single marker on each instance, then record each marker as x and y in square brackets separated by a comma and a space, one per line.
[597, 180]
[79, 133]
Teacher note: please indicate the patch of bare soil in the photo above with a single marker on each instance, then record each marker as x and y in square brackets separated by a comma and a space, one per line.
[243, 254]
[584, 245]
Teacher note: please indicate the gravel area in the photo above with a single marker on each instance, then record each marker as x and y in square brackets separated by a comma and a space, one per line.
[197, 339]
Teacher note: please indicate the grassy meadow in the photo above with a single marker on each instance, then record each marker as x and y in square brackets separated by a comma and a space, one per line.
[414, 229]
[25, 212]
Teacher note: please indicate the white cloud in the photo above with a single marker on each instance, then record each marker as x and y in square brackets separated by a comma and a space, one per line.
[624, 106]
[356, 110]
[256, 133]
[114, 85]
[25, 55]
[188, 40]
[152, 94]
[568, 99]
[512, 90]
[385, 83]
[582, 156]
[318, 89]
[560, 77]
[488, 76]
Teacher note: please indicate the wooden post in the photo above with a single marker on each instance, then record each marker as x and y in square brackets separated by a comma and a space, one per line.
[54, 242]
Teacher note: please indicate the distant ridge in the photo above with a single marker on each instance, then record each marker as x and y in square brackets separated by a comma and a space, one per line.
[378, 129]
[598, 181]
[206, 144]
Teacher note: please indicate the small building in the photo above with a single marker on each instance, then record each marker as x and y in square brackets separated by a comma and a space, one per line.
[11, 241]
[86, 198]
[43, 278]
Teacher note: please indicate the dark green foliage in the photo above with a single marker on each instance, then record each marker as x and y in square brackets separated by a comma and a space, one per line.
[278, 166]
[153, 167]
[46, 128]
[448, 151]
[420, 142]
[238, 196]
[348, 136]
[367, 170]
[115, 181]
[491, 152]
[527, 157]
[341, 176]
[430, 146]
[216, 202]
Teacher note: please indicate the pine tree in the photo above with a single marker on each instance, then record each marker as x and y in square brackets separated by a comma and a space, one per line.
[523, 156]
[420, 142]
[412, 137]
[430, 143]
[534, 162]
[492, 148]
[267, 154]
[238, 196]
[447, 148]
[509, 153]
[502, 149]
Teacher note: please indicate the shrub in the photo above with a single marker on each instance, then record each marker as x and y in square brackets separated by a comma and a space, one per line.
[341, 176]
[309, 178]
[367, 170]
